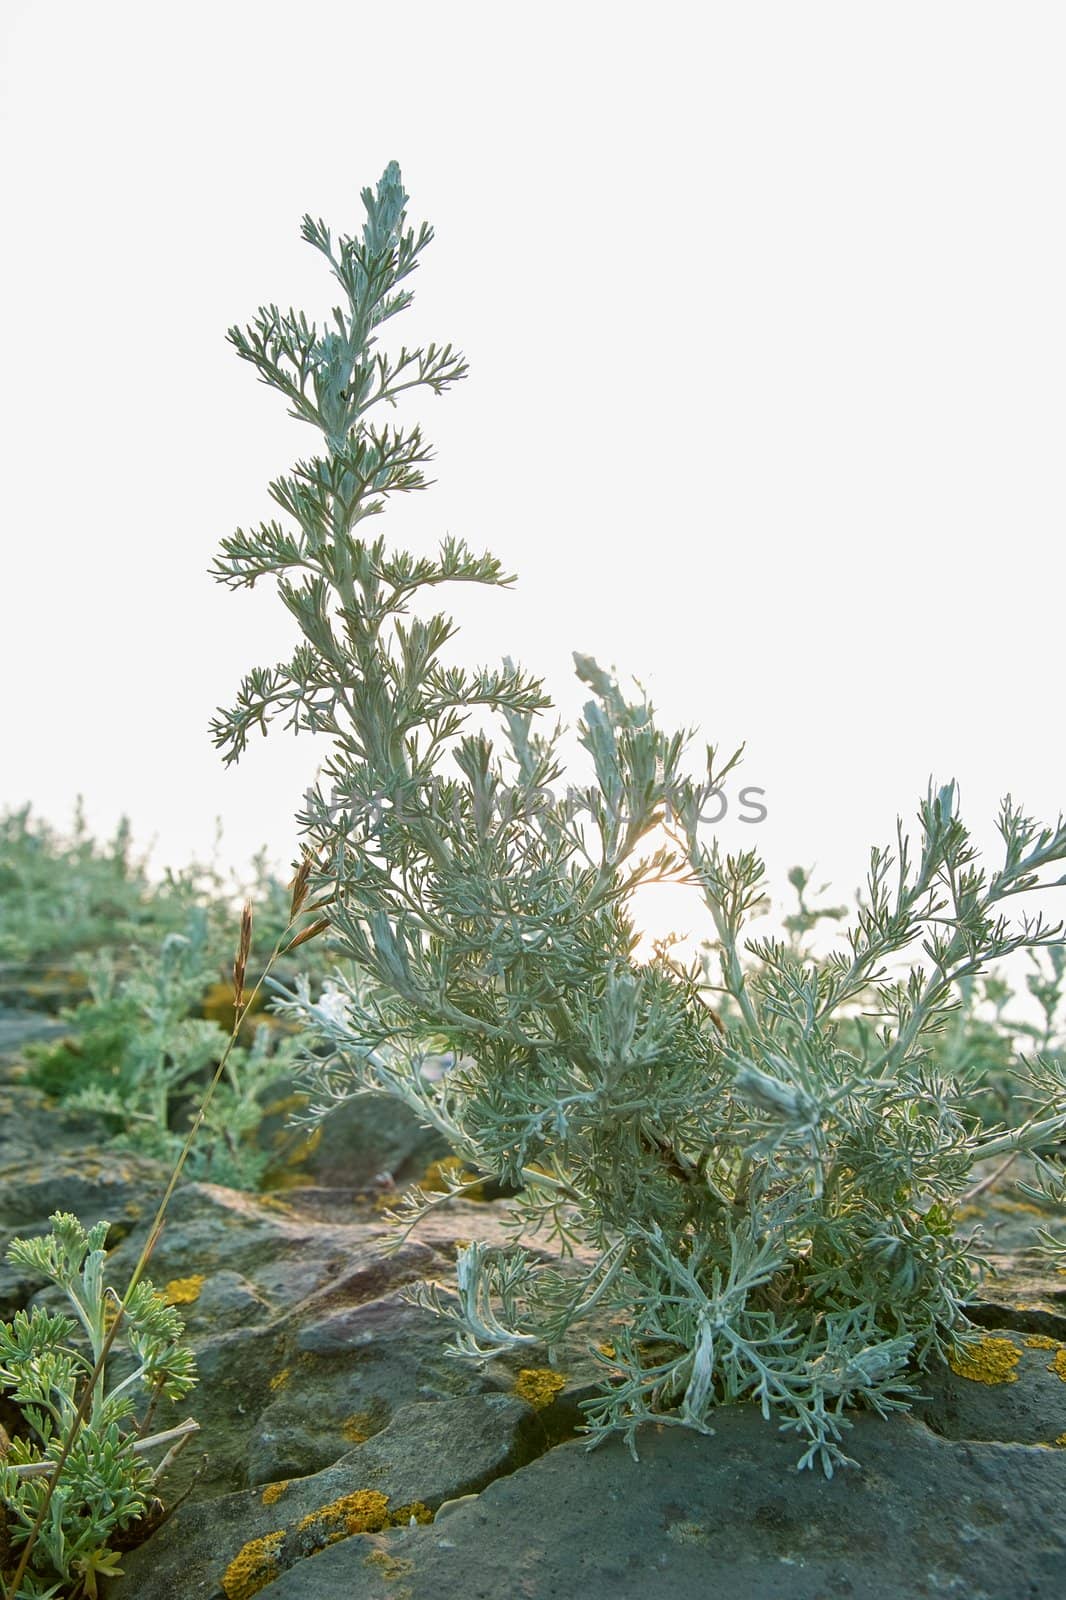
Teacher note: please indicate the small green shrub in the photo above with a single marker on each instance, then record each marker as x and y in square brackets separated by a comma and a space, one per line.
[107, 1481]
[138, 1059]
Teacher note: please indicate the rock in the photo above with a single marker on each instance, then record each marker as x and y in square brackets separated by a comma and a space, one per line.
[121, 1188]
[46, 987]
[360, 1141]
[699, 1516]
[1012, 1390]
[30, 1122]
[429, 1453]
[19, 1028]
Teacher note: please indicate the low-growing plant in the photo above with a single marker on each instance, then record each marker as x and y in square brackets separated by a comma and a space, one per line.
[137, 1058]
[765, 1196]
[45, 1361]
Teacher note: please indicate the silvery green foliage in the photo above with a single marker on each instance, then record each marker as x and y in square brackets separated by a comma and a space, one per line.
[768, 1207]
[45, 1362]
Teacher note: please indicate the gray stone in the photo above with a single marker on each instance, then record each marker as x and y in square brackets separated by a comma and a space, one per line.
[428, 1454]
[701, 1517]
[20, 1028]
[361, 1141]
[1028, 1408]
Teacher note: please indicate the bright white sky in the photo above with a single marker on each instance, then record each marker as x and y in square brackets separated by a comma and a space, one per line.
[765, 316]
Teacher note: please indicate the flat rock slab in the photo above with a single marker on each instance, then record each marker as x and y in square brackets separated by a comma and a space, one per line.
[429, 1453]
[20, 1028]
[698, 1518]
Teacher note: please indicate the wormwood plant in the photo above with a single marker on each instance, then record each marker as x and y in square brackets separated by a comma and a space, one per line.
[109, 1479]
[764, 1196]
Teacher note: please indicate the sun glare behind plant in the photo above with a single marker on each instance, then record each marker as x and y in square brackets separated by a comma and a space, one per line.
[666, 910]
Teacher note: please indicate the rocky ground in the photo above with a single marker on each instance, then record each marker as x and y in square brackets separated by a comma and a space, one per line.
[343, 1454]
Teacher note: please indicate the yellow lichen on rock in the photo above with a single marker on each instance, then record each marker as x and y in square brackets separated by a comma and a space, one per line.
[280, 1379]
[1058, 1366]
[184, 1291]
[365, 1511]
[689, 1533]
[274, 1491]
[282, 1107]
[403, 1516]
[1060, 1441]
[539, 1386]
[989, 1361]
[389, 1566]
[1041, 1341]
[356, 1428]
[253, 1567]
[1026, 1207]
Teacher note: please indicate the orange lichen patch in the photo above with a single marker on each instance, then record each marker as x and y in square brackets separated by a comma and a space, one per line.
[280, 1379]
[434, 1179]
[183, 1291]
[365, 1511]
[539, 1386]
[1041, 1341]
[989, 1361]
[252, 1568]
[358, 1427]
[274, 1491]
[1058, 1366]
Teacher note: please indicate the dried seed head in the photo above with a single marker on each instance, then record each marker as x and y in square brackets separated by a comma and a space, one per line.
[240, 966]
[311, 932]
[298, 886]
